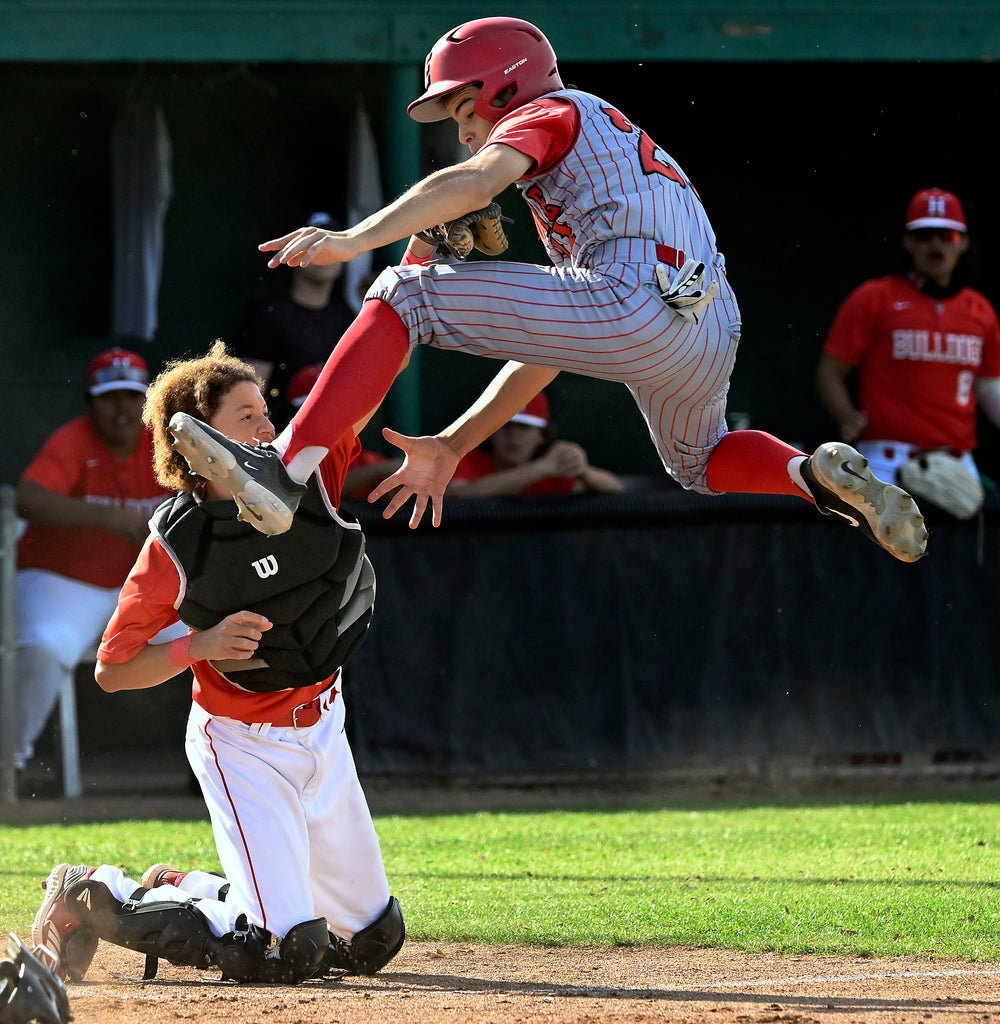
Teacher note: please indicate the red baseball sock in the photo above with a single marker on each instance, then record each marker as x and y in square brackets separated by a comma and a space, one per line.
[752, 462]
[356, 377]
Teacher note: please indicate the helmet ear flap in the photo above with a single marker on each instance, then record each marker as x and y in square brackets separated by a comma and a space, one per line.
[494, 107]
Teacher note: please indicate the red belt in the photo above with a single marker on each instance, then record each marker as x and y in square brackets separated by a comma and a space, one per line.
[305, 715]
[672, 257]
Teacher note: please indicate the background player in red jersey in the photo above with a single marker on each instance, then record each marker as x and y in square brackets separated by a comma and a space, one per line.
[926, 349]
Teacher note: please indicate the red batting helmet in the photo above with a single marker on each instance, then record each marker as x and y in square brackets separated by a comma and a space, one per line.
[492, 52]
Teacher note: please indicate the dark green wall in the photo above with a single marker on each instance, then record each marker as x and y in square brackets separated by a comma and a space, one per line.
[805, 170]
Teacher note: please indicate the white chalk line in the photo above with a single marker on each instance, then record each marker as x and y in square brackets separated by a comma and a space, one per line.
[827, 979]
[226, 992]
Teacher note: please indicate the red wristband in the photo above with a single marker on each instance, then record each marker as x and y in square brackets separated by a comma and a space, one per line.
[410, 260]
[180, 651]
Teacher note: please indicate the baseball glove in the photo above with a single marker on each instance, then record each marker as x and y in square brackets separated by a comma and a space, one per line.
[941, 479]
[29, 988]
[481, 229]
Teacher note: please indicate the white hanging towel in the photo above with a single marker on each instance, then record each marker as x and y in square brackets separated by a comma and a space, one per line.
[364, 197]
[142, 187]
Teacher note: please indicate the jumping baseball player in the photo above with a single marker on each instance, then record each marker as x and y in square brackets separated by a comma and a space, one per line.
[272, 621]
[624, 299]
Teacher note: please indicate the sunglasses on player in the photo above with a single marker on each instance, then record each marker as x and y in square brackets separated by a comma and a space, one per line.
[116, 372]
[949, 235]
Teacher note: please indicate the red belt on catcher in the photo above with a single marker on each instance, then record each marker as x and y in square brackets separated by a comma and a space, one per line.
[305, 715]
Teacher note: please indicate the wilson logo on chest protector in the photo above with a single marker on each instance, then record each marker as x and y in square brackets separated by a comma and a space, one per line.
[266, 566]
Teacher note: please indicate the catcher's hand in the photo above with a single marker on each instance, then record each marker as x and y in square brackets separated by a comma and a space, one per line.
[683, 293]
[29, 987]
[944, 481]
[481, 229]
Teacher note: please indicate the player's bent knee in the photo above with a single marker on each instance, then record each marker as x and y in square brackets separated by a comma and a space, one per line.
[371, 948]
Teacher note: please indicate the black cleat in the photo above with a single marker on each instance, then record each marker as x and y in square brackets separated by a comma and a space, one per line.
[842, 485]
[266, 495]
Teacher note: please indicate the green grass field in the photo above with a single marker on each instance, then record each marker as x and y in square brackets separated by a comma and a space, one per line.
[864, 877]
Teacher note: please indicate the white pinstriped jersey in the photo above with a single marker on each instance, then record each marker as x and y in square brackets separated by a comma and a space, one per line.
[597, 310]
[614, 183]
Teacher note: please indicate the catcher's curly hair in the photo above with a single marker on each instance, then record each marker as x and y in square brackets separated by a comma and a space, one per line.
[197, 387]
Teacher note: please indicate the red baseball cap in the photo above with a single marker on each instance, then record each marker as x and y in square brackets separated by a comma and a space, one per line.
[935, 208]
[535, 413]
[117, 369]
[302, 383]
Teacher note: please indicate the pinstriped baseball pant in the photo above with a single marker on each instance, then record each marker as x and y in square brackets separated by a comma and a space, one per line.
[607, 322]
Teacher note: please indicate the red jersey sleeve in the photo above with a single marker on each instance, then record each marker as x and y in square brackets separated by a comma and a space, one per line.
[990, 366]
[57, 465]
[145, 605]
[544, 130]
[852, 332]
[475, 464]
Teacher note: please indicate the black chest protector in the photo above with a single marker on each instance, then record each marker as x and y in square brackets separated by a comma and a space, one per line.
[314, 583]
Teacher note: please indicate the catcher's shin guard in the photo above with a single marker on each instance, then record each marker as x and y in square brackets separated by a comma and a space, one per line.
[245, 954]
[176, 932]
[371, 948]
[300, 954]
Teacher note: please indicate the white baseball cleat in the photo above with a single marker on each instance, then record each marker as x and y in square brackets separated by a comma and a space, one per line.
[266, 495]
[842, 485]
[58, 929]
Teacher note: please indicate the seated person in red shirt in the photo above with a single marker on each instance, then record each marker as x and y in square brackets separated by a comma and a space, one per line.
[86, 496]
[522, 458]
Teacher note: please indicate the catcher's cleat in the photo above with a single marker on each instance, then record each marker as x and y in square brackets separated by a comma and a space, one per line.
[266, 495]
[161, 874]
[58, 928]
[842, 485]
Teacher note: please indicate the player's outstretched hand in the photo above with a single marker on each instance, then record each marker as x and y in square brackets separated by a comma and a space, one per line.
[306, 246]
[427, 468]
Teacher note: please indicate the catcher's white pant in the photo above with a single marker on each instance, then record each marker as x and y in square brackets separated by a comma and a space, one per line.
[58, 621]
[605, 321]
[885, 457]
[292, 827]
[221, 915]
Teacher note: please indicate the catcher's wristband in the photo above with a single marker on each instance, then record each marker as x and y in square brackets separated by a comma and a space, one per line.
[179, 651]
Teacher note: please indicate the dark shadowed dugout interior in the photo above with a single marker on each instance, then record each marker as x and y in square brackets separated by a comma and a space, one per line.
[630, 631]
[805, 128]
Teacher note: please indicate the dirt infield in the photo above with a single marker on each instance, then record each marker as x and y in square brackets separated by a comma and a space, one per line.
[427, 984]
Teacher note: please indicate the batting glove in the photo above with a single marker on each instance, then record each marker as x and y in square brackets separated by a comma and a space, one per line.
[684, 293]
